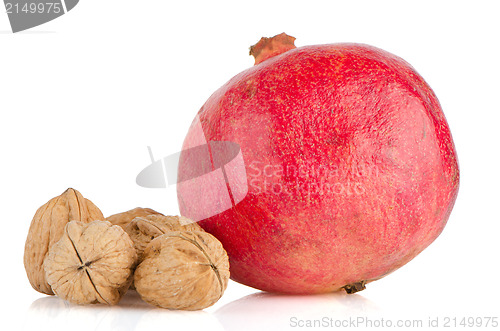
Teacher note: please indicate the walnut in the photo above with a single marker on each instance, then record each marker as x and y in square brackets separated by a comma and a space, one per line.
[144, 229]
[47, 227]
[183, 270]
[122, 219]
[91, 263]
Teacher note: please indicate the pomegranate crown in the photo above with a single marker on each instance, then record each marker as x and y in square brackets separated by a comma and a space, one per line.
[269, 47]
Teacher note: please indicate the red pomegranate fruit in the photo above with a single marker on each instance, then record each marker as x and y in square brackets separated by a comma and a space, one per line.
[345, 167]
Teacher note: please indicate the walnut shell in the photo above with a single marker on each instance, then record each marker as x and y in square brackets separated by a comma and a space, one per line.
[183, 270]
[122, 219]
[91, 263]
[144, 229]
[47, 227]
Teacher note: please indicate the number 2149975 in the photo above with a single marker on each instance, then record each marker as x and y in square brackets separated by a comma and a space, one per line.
[34, 8]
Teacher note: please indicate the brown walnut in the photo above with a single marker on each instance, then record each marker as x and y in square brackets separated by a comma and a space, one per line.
[47, 227]
[91, 263]
[142, 230]
[183, 270]
[122, 219]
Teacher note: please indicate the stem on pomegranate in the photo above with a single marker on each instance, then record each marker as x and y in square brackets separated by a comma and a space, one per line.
[355, 287]
[269, 47]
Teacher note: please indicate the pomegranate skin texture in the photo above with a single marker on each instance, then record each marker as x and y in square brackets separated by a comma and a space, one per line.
[349, 167]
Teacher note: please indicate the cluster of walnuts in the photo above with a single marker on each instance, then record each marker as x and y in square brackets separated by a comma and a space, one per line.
[74, 252]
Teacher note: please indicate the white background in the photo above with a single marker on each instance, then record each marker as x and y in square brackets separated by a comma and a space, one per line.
[83, 96]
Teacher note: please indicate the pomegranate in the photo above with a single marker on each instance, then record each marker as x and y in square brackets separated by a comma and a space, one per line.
[348, 167]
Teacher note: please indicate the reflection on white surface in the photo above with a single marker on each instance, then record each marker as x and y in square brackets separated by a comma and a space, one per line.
[178, 320]
[53, 313]
[258, 311]
[276, 312]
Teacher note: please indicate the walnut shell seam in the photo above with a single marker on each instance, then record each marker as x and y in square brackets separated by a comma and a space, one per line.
[210, 262]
